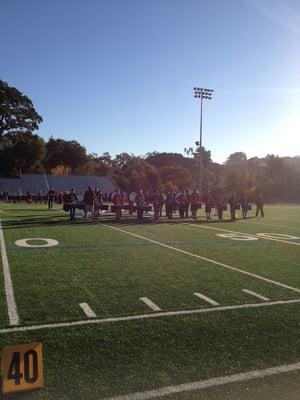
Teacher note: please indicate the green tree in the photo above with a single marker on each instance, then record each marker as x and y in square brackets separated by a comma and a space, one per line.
[63, 152]
[17, 114]
[181, 177]
[22, 152]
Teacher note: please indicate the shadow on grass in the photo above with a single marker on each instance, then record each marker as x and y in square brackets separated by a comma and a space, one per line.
[125, 221]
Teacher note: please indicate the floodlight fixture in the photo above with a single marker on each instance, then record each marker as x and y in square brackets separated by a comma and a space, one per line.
[201, 93]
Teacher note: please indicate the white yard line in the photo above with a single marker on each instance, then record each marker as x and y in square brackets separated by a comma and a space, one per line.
[275, 226]
[205, 259]
[259, 296]
[8, 285]
[87, 310]
[241, 233]
[208, 383]
[207, 299]
[145, 316]
[150, 304]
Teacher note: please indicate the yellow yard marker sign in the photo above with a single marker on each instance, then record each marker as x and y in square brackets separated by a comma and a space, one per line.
[21, 367]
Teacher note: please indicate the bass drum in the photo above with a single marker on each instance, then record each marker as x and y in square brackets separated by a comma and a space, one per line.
[132, 196]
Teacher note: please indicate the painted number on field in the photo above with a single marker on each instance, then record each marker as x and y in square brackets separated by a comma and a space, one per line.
[236, 236]
[22, 367]
[277, 236]
[45, 242]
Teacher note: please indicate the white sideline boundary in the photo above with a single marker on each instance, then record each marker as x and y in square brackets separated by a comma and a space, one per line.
[242, 233]
[138, 317]
[206, 259]
[8, 285]
[207, 299]
[208, 383]
[150, 303]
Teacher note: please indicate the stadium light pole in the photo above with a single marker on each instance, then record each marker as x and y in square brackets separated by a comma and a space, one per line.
[201, 93]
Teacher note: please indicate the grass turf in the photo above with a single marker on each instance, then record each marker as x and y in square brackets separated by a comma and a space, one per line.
[111, 270]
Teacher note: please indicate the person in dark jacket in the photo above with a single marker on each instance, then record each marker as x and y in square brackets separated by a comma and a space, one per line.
[140, 204]
[208, 204]
[260, 205]
[89, 202]
[244, 205]
[233, 206]
[73, 200]
[195, 203]
[220, 205]
[50, 197]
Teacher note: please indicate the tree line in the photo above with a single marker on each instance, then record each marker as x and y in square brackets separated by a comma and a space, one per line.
[23, 151]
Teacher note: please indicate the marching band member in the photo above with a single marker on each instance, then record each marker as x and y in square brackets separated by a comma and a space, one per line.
[233, 206]
[140, 203]
[89, 203]
[164, 198]
[260, 205]
[73, 200]
[157, 201]
[195, 201]
[118, 200]
[220, 205]
[50, 196]
[244, 205]
[208, 204]
[169, 205]
[182, 203]
[188, 203]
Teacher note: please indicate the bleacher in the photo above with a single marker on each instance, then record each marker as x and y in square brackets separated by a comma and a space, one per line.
[36, 183]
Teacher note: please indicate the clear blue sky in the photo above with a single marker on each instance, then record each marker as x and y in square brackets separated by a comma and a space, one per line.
[117, 75]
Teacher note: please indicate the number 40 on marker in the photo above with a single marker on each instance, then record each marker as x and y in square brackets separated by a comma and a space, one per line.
[21, 367]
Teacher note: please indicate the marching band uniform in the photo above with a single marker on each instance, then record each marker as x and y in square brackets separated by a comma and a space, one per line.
[188, 203]
[220, 206]
[195, 201]
[169, 205]
[118, 201]
[208, 205]
[50, 195]
[244, 206]
[260, 205]
[73, 200]
[141, 204]
[163, 198]
[233, 205]
[157, 201]
[182, 202]
[89, 202]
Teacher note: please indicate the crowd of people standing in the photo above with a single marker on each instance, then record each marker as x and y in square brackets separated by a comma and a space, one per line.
[185, 203]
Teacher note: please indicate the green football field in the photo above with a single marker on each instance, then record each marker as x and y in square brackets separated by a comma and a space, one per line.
[176, 310]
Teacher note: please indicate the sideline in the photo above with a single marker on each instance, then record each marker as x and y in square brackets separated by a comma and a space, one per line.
[138, 317]
[8, 285]
[209, 383]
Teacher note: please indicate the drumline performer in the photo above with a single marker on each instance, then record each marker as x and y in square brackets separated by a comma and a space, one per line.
[195, 203]
[140, 204]
[118, 200]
